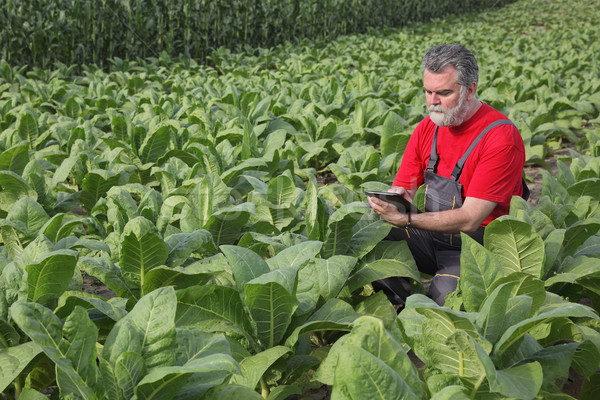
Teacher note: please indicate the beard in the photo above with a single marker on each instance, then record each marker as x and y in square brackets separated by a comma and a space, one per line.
[455, 116]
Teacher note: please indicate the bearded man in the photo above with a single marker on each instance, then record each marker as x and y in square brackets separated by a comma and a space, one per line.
[468, 156]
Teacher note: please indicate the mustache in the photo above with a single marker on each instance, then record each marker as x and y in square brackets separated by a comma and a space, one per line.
[436, 108]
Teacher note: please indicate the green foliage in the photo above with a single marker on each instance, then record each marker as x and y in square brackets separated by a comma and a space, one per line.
[40, 33]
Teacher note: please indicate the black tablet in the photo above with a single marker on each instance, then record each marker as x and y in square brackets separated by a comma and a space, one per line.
[400, 202]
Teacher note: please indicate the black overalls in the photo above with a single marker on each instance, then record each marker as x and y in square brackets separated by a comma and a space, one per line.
[436, 254]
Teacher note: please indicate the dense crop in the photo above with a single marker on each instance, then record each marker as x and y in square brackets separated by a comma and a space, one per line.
[41, 33]
[223, 208]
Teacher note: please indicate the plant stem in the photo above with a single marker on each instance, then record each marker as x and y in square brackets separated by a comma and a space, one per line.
[264, 388]
[18, 383]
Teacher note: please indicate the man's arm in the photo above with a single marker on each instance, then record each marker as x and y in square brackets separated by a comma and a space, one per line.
[468, 218]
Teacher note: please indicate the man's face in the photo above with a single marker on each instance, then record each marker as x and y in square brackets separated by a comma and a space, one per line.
[446, 102]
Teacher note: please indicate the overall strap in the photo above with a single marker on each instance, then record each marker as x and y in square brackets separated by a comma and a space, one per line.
[433, 159]
[459, 165]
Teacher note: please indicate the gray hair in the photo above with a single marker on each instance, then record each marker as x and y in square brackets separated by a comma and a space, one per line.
[457, 55]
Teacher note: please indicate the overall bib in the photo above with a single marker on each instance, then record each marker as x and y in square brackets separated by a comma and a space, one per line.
[436, 254]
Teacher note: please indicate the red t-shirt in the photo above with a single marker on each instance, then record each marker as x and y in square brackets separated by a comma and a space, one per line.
[492, 170]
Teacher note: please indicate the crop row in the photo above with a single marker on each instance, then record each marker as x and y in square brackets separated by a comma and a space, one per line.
[223, 208]
[43, 32]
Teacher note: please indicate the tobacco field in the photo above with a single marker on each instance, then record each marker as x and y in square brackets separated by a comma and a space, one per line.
[221, 205]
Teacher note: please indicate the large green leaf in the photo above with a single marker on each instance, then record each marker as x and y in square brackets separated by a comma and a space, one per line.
[340, 231]
[182, 245]
[253, 368]
[13, 360]
[165, 382]
[387, 259]
[142, 249]
[30, 213]
[13, 188]
[322, 279]
[506, 345]
[281, 191]
[95, 185]
[298, 255]
[520, 382]
[226, 225]
[578, 233]
[212, 309]
[28, 127]
[371, 364]
[271, 301]
[315, 217]
[516, 245]
[74, 355]
[366, 234]
[155, 144]
[153, 317]
[108, 273]
[49, 277]
[586, 187]
[15, 158]
[334, 315]
[479, 269]
[245, 264]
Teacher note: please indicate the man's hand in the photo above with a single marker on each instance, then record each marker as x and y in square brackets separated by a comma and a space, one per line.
[465, 219]
[388, 211]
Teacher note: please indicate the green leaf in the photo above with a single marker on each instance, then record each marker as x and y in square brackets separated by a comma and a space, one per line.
[586, 187]
[232, 392]
[387, 259]
[114, 308]
[15, 158]
[212, 309]
[297, 255]
[363, 376]
[492, 314]
[366, 234]
[578, 233]
[108, 273]
[74, 356]
[281, 191]
[511, 337]
[315, 217]
[13, 188]
[49, 277]
[334, 315]
[95, 185]
[155, 144]
[520, 382]
[165, 382]
[271, 301]
[153, 316]
[14, 360]
[28, 128]
[479, 269]
[182, 245]
[516, 245]
[142, 249]
[254, 367]
[245, 265]
[72, 108]
[226, 225]
[339, 232]
[30, 213]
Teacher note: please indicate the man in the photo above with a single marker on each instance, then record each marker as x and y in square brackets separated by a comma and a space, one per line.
[461, 195]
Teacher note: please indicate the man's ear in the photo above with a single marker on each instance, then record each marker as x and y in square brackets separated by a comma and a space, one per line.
[471, 90]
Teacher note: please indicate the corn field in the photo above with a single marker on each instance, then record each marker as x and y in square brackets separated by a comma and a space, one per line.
[40, 33]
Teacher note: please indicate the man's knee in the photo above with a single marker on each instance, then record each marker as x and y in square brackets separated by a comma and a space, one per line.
[440, 286]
